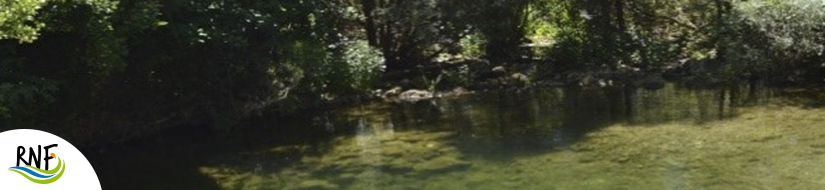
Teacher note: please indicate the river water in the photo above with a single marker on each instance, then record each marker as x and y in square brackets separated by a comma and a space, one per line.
[551, 138]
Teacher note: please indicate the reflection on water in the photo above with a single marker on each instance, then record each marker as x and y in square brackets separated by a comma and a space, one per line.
[674, 138]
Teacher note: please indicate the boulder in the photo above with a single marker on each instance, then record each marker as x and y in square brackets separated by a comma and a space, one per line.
[500, 70]
[392, 93]
[520, 79]
[415, 95]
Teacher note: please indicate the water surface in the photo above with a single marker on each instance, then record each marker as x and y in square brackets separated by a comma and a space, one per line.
[552, 138]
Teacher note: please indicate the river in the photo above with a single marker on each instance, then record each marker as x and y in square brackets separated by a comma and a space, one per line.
[543, 138]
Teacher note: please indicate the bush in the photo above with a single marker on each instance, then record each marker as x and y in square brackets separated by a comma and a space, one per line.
[472, 45]
[792, 30]
[364, 64]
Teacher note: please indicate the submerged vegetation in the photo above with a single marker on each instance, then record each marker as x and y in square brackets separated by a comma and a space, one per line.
[760, 149]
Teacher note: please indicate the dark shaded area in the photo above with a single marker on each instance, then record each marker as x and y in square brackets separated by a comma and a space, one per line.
[172, 159]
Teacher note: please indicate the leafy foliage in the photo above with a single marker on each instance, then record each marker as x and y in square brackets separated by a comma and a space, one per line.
[17, 19]
[791, 29]
[411, 33]
[472, 45]
[133, 62]
[366, 64]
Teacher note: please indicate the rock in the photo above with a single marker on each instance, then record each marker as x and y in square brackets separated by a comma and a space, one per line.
[415, 95]
[589, 80]
[499, 70]
[392, 93]
[627, 68]
[458, 91]
[520, 78]
[316, 184]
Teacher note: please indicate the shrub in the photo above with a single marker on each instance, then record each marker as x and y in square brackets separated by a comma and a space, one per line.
[364, 63]
[792, 29]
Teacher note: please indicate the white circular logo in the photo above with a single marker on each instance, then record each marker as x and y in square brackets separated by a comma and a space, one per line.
[41, 160]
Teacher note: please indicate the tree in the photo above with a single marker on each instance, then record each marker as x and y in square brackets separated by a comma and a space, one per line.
[17, 20]
[410, 33]
[81, 54]
[503, 25]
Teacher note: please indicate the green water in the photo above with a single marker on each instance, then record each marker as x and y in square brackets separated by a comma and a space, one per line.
[674, 138]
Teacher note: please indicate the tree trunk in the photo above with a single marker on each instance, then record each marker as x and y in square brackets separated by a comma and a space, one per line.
[721, 9]
[502, 27]
[608, 32]
[622, 48]
[752, 85]
[369, 13]
[733, 98]
[620, 22]
[390, 58]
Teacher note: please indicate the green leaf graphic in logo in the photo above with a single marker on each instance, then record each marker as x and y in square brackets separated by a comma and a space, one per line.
[47, 180]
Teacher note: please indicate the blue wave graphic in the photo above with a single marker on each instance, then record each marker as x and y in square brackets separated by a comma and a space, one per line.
[31, 172]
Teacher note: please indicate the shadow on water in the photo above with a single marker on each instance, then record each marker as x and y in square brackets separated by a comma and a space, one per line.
[174, 158]
[506, 125]
[157, 163]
